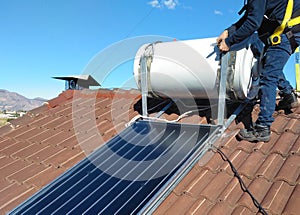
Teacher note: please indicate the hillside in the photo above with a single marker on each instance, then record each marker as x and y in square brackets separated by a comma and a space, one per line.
[15, 102]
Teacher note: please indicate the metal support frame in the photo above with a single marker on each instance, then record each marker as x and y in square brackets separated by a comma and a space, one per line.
[144, 85]
[221, 124]
[222, 89]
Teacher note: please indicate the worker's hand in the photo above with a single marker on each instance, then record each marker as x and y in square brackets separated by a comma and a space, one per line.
[223, 46]
[223, 36]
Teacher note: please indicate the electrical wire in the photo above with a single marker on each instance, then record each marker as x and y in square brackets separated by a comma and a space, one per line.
[140, 22]
[242, 184]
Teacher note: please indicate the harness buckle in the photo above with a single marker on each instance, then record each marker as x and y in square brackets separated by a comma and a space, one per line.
[275, 40]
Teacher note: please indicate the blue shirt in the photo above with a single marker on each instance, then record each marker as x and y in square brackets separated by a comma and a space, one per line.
[253, 18]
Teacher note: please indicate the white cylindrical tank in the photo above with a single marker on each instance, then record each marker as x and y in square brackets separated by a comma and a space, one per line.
[181, 69]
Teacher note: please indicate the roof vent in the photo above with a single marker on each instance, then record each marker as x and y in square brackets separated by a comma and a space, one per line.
[78, 82]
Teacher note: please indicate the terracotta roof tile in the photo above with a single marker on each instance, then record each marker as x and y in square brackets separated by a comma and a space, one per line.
[42, 136]
[182, 186]
[56, 138]
[214, 164]
[7, 143]
[216, 186]
[196, 186]
[29, 133]
[14, 195]
[57, 157]
[296, 111]
[292, 207]
[242, 211]
[71, 161]
[17, 131]
[233, 192]
[237, 158]
[274, 202]
[27, 151]
[15, 147]
[221, 208]
[84, 125]
[4, 183]
[38, 182]
[228, 140]
[185, 202]
[42, 121]
[266, 147]
[64, 110]
[90, 142]
[63, 97]
[25, 120]
[162, 210]
[45, 153]
[13, 167]
[270, 167]
[252, 164]
[284, 143]
[296, 147]
[67, 125]
[69, 142]
[201, 206]
[245, 146]
[279, 125]
[293, 126]
[5, 160]
[6, 129]
[26, 173]
[37, 148]
[290, 170]
[259, 187]
[51, 124]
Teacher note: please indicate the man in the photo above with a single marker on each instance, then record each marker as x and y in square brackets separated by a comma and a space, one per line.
[258, 12]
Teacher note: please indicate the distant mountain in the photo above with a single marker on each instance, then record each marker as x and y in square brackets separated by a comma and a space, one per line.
[15, 102]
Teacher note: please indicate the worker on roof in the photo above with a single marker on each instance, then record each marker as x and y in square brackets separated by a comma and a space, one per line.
[279, 28]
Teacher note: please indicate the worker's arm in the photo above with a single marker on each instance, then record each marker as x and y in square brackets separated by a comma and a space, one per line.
[247, 25]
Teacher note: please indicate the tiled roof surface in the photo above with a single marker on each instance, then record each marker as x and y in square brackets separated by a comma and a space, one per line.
[270, 170]
[43, 144]
[37, 148]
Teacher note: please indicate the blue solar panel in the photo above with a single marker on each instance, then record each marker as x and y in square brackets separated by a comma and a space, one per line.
[124, 174]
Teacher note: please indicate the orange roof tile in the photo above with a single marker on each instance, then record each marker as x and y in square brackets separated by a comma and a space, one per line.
[270, 170]
[43, 144]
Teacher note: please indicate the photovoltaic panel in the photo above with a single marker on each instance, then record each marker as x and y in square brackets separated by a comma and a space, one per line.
[121, 176]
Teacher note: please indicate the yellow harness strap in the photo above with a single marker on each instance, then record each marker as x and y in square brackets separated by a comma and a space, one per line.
[275, 37]
[293, 22]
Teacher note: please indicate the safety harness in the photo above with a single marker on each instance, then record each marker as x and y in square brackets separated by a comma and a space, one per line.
[286, 27]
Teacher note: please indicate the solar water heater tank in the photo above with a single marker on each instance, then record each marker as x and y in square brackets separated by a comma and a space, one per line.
[192, 68]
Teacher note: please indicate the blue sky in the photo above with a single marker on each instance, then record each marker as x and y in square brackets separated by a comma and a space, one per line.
[44, 38]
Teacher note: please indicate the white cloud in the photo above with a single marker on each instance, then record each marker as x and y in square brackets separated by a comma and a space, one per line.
[170, 4]
[155, 3]
[217, 12]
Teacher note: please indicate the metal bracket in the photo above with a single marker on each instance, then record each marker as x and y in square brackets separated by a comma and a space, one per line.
[144, 85]
[222, 89]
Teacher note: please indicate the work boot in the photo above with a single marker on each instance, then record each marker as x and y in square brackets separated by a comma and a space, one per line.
[260, 133]
[246, 134]
[288, 101]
